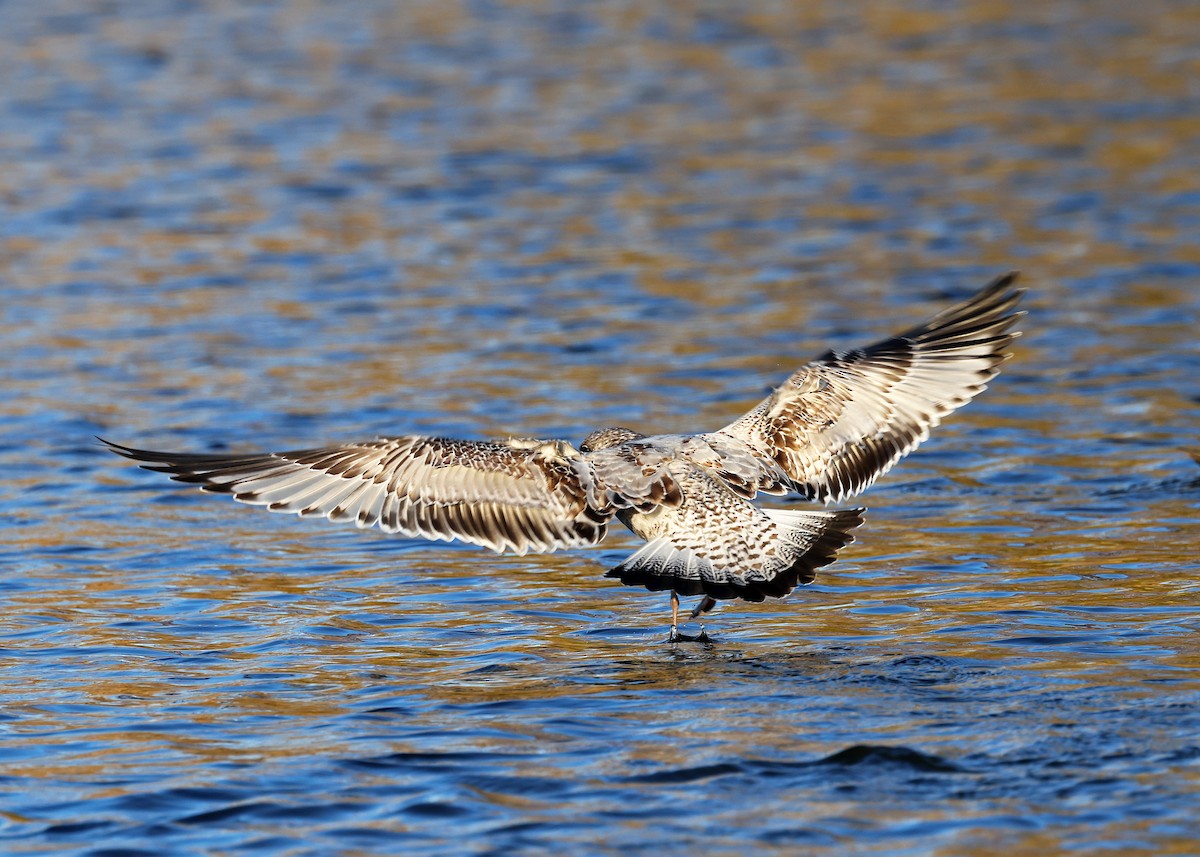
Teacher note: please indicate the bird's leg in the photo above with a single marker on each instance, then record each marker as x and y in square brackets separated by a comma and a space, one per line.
[674, 615]
[703, 606]
[706, 603]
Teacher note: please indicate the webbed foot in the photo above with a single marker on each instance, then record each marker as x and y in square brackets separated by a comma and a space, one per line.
[677, 637]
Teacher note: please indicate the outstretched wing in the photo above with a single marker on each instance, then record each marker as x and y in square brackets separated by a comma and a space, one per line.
[520, 495]
[843, 420]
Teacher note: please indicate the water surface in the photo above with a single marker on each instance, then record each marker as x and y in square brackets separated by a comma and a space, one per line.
[271, 225]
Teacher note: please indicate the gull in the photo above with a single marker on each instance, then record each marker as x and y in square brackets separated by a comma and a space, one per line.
[827, 433]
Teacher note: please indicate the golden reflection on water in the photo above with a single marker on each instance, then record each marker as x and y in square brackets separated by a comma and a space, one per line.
[887, 78]
[497, 227]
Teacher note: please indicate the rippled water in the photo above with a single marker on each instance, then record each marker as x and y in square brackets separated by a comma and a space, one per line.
[271, 225]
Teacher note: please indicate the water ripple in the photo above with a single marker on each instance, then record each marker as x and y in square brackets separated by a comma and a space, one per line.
[275, 223]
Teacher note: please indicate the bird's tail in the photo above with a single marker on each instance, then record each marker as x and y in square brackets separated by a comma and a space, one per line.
[785, 552]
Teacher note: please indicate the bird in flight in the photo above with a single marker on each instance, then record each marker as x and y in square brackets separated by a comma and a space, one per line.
[827, 433]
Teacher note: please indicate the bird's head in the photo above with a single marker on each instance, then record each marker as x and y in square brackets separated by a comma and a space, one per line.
[608, 437]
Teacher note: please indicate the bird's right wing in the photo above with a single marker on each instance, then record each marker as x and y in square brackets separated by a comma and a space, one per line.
[519, 495]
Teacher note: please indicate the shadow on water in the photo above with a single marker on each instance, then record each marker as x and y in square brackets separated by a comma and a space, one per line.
[1149, 489]
[1064, 763]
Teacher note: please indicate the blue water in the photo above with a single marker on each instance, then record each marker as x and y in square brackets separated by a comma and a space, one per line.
[275, 225]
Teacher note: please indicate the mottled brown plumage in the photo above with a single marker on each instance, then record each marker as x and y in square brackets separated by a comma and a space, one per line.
[841, 422]
[827, 433]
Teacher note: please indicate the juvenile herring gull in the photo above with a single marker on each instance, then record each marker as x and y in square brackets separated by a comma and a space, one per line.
[826, 434]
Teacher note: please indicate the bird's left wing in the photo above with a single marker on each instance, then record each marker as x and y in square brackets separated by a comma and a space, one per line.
[843, 420]
[516, 495]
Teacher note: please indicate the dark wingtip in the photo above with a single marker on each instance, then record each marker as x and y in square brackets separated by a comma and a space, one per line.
[132, 453]
[999, 295]
[118, 449]
[854, 517]
[1002, 282]
[1008, 281]
[160, 462]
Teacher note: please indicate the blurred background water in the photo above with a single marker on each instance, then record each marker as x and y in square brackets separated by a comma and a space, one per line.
[276, 224]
